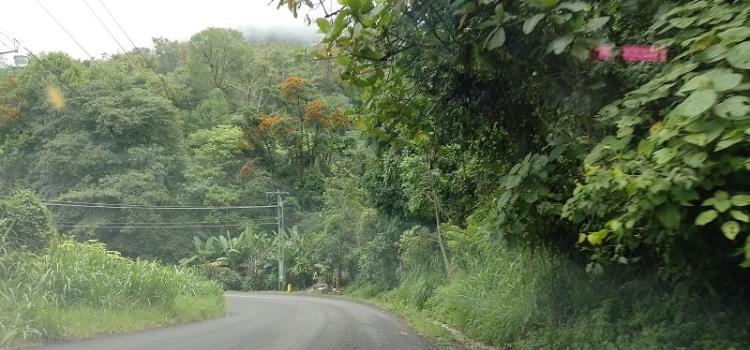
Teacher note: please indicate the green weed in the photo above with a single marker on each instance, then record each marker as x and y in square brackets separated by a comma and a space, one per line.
[75, 290]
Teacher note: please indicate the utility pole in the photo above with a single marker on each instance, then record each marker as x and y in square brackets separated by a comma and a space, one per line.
[280, 234]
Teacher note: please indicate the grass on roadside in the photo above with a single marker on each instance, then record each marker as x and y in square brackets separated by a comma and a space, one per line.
[78, 290]
[538, 300]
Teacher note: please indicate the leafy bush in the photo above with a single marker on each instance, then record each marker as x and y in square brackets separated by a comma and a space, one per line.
[29, 224]
[671, 182]
[228, 279]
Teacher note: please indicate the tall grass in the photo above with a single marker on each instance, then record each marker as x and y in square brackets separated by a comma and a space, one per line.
[523, 299]
[81, 289]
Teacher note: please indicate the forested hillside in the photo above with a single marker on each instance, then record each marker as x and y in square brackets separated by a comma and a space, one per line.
[214, 121]
[463, 161]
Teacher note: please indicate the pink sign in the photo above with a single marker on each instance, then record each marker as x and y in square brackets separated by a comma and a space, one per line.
[602, 53]
[643, 53]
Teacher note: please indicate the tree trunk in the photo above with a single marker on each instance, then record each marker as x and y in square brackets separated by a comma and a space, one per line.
[439, 234]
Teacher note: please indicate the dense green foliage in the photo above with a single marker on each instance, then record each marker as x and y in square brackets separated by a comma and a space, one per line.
[28, 223]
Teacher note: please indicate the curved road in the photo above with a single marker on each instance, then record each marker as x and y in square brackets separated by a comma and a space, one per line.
[273, 321]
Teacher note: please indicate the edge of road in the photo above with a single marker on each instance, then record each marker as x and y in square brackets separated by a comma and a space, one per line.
[443, 337]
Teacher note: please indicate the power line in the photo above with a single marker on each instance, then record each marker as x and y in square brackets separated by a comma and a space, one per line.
[52, 201]
[167, 90]
[117, 23]
[3, 31]
[159, 227]
[155, 207]
[63, 28]
[128, 205]
[170, 223]
[105, 26]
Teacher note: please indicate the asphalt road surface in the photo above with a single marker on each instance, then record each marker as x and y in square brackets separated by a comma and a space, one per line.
[273, 321]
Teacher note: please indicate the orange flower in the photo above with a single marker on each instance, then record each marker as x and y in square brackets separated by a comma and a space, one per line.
[266, 122]
[315, 112]
[293, 86]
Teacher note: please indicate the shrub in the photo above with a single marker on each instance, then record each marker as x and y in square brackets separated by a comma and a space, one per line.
[228, 279]
[29, 224]
[670, 183]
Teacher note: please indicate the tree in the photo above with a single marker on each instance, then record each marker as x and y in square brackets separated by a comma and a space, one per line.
[217, 54]
[422, 185]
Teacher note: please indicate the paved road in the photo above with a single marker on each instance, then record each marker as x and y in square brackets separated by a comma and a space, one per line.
[273, 321]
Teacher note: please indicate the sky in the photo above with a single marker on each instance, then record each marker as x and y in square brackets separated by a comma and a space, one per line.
[28, 22]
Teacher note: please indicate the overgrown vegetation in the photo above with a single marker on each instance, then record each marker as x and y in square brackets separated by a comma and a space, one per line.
[54, 288]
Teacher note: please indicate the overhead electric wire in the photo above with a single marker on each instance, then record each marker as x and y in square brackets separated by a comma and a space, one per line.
[167, 90]
[52, 201]
[160, 227]
[64, 29]
[170, 223]
[105, 26]
[119, 206]
[118, 24]
[3, 31]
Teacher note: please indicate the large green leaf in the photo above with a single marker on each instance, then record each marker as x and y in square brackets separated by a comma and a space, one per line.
[596, 238]
[724, 79]
[738, 215]
[323, 25]
[645, 147]
[496, 39]
[573, 6]
[664, 155]
[706, 217]
[560, 44]
[696, 160]
[712, 54]
[739, 56]
[740, 200]
[545, 4]
[596, 23]
[727, 142]
[730, 229]
[513, 181]
[530, 23]
[697, 139]
[682, 22]
[697, 103]
[734, 35]
[699, 82]
[734, 108]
